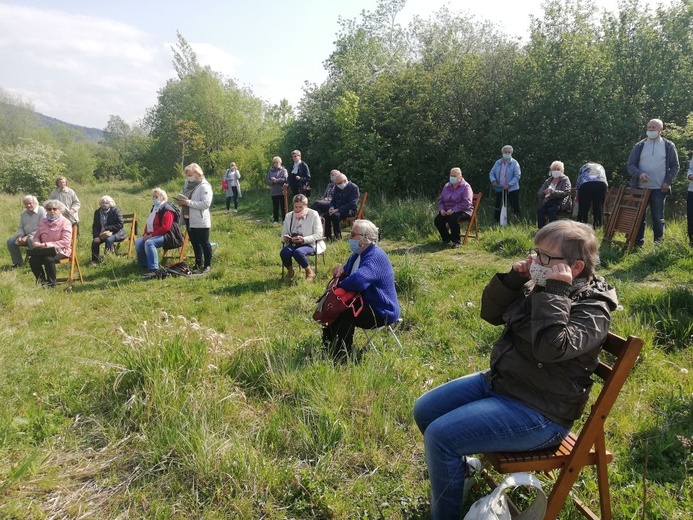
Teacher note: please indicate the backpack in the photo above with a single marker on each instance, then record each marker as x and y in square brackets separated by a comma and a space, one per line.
[173, 239]
[177, 269]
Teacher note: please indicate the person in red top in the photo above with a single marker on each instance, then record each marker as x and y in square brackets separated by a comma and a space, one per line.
[53, 236]
[158, 224]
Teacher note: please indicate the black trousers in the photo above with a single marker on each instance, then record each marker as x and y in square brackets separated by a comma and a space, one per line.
[443, 222]
[43, 267]
[513, 202]
[591, 194]
[338, 338]
[199, 238]
[548, 210]
[235, 199]
[277, 204]
[689, 215]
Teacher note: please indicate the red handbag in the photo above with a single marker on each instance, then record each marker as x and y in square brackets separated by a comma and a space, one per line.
[224, 185]
[334, 302]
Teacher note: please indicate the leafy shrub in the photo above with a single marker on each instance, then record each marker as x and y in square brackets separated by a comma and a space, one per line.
[30, 167]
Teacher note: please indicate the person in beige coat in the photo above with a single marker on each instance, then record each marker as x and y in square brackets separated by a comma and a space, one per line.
[302, 235]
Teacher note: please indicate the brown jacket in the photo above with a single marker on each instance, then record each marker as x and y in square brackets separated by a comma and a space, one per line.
[549, 347]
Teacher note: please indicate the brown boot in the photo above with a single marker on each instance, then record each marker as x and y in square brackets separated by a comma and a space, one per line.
[290, 272]
[310, 274]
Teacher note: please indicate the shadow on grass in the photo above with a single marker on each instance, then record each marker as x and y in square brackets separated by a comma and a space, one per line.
[432, 247]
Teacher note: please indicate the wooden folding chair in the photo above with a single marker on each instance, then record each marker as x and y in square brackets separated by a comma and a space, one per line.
[182, 249]
[473, 222]
[586, 449]
[315, 255]
[72, 260]
[612, 196]
[131, 218]
[628, 214]
[360, 214]
[286, 200]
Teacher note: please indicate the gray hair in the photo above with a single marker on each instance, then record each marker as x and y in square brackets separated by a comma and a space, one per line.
[507, 146]
[658, 121]
[301, 198]
[54, 202]
[578, 242]
[107, 199]
[368, 230]
[31, 198]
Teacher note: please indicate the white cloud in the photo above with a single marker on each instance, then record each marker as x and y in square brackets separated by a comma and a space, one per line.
[218, 59]
[78, 68]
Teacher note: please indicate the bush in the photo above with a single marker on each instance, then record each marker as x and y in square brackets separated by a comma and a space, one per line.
[30, 167]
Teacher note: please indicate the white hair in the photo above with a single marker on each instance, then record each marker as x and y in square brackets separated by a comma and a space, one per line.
[507, 146]
[107, 199]
[368, 230]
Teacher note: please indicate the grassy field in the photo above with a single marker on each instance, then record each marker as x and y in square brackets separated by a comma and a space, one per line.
[210, 398]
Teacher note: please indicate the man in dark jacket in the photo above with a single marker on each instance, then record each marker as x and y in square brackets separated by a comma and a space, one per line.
[299, 175]
[343, 205]
[653, 163]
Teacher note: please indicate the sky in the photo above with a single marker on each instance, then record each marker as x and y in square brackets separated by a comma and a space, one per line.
[82, 61]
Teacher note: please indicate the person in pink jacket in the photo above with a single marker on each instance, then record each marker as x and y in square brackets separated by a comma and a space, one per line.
[51, 242]
[454, 204]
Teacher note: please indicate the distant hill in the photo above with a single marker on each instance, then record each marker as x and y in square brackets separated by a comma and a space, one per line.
[55, 125]
[90, 134]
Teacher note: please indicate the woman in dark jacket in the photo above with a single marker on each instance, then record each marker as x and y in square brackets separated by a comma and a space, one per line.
[107, 229]
[556, 315]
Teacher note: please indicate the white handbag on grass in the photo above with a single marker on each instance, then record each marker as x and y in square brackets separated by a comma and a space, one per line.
[504, 210]
[495, 505]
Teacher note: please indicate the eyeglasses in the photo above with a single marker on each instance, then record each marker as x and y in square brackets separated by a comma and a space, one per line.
[543, 258]
[352, 235]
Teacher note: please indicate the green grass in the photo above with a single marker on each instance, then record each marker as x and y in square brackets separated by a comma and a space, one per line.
[210, 397]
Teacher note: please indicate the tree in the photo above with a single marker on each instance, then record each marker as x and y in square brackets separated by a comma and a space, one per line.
[17, 119]
[30, 167]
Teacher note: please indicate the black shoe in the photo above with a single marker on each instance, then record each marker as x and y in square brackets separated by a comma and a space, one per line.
[15, 266]
[203, 270]
[456, 245]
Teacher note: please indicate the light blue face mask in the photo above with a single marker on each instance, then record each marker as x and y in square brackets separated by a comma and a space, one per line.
[507, 156]
[156, 203]
[354, 245]
[454, 180]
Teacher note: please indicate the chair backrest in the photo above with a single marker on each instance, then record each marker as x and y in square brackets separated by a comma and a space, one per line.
[473, 221]
[362, 207]
[131, 218]
[628, 214]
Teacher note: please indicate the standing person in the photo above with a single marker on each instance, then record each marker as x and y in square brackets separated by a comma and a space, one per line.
[591, 190]
[233, 191]
[276, 179]
[198, 203]
[505, 178]
[368, 271]
[156, 232]
[689, 204]
[653, 163]
[54, 231]
[322, 205]
[554, 195]
[302, 236]
[556, 315]
[108, 228]
[299, 176]
[454, 204]
[343, 205]
[69, 199]
[29, 220]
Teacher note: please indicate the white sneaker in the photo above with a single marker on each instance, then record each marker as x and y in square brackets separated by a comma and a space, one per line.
[235, 211]
[473, 467]
[275, 223]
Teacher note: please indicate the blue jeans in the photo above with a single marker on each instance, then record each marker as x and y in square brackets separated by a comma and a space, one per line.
[464, 417]
[147, 254]
[656, 204]
[298, 253]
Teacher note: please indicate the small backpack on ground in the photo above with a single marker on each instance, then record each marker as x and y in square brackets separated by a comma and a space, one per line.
[179, 269]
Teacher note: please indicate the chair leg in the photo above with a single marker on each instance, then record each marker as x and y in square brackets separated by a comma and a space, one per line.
[603, 478]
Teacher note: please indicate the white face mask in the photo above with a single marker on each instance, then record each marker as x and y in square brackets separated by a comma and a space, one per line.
[538, 273]
[652, 134]
[556, 173]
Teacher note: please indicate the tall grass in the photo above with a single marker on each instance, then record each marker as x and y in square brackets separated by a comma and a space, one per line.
[211, 397]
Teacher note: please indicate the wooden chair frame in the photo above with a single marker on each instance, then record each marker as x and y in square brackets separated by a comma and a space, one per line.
[183, 249]
[473, 222]
[72, 260]
[612, 197]
[628, 213]
[131, 218]
[586, 449]
[360, 214]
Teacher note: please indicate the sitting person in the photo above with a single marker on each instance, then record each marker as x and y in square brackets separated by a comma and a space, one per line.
[69, 199]
[29, 220]
[159, 223]
[554, 195]
[556, 315]
[369, 272]
[343, 205]
[302, 234]
[108, 227]
[54, 237]
[322, 205]
[454, 204]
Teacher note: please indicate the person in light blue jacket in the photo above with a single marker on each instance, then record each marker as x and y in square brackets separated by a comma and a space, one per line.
[505, 178]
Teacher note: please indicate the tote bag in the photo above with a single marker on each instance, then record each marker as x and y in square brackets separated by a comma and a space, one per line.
[495, 505]
[504, 210]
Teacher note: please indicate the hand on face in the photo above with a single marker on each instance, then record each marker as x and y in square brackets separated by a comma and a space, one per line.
[522, 266]
[561, 272]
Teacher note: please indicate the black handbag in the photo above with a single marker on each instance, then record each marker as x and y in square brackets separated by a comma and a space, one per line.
[42, 251]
